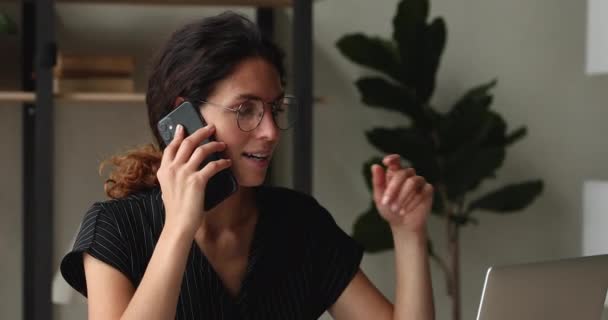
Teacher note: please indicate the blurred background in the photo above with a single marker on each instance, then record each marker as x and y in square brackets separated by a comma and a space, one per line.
[536, 49]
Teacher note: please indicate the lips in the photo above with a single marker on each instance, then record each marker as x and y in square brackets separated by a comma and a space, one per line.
[257, 155]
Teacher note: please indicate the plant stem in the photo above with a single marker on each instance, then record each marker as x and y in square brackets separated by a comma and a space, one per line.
[447, 206]
[454, 256]
[444, 267]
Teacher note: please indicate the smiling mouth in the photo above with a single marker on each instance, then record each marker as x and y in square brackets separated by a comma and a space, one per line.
[257, 156]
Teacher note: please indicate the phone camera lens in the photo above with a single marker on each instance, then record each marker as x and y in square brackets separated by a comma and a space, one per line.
[166, 136]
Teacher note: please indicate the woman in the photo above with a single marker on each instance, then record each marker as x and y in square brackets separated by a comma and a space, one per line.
[152, 252]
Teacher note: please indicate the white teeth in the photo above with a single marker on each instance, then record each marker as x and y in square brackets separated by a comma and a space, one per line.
[257, 155]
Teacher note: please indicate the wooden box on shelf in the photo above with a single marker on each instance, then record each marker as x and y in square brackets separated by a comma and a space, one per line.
[93, 84]
[76, 65]
[75, 73]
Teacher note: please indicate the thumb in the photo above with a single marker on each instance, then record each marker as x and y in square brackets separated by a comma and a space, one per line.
[378, 182]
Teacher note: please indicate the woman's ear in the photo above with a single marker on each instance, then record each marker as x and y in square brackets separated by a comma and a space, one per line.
[178, 101]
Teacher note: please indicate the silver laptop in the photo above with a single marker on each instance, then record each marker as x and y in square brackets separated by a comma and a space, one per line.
[572, 288]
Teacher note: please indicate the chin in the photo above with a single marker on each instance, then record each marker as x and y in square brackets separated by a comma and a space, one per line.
[250, 181]
[249, 174]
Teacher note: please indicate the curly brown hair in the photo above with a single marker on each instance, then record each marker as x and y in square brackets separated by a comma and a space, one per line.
[194, 59]
[133, 171]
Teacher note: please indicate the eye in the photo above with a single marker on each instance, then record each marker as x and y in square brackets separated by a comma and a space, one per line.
[247, 108]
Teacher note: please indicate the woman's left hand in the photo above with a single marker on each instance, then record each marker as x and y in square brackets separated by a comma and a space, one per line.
[402, 198]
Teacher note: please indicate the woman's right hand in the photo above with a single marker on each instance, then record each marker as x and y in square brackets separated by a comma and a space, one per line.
[181, 181]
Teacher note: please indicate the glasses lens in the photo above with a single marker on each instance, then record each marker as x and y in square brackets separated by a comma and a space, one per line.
[285, 112]
[249, 115]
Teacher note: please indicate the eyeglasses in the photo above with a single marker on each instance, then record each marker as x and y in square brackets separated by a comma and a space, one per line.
[249, 113]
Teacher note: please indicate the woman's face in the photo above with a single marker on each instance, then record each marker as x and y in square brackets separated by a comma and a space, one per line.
[254, 77]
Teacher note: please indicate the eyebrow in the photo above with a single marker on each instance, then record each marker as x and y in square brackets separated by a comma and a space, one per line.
[249, 96]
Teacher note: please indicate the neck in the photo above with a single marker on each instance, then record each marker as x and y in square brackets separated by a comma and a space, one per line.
[232, 214]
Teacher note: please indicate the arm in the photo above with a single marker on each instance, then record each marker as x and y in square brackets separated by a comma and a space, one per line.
[361, 300]
[414, 294]
[112, 296]
[413, 298]
[404, 200]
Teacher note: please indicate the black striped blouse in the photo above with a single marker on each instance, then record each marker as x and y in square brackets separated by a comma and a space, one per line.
[299, 264]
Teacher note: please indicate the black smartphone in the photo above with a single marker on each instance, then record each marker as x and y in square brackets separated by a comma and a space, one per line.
[221, 185]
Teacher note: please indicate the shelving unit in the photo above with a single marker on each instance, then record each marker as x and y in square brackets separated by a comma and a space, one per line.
[264, 18]
[248, 3]
[76, 97]
[38, 52]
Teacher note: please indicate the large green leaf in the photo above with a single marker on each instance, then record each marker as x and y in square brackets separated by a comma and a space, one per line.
[371, 52]
[372, 231]
[377, 92]
[7, 26]
[495, 131]
[474, 96]
[509, 198]
[412, 144]
[496, 135]
[516, 135]
[503, 139]
[465, 170]
[470, 121]
[466, 126]
[409, 29]
[367, 172]
[433, 45]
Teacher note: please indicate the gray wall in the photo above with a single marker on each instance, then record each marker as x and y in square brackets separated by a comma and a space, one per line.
[535, 49]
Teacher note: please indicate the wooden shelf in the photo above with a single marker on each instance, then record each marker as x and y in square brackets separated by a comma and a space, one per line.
[102, 97]
[248, 3]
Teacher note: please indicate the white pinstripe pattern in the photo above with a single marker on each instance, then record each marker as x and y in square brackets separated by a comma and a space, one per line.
[299, 263]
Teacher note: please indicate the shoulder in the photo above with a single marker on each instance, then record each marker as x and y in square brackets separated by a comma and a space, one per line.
[296, 215]
[282, 195]
[294, 205]
[121, 219]
[134, 219]
[142, 210]
[139, 202]
[118, 232]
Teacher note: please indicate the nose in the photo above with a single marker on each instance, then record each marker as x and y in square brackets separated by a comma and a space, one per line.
[267, 129]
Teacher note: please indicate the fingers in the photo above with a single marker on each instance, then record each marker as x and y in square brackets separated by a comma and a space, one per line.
[202, 152]
[392, 161]
[378, 182]
[398, 189]
[393, 188]
[412, 185]
[403, 192]
[187, 145]
[393, 164]
[213, 167]
[425, 194]
[173, 146]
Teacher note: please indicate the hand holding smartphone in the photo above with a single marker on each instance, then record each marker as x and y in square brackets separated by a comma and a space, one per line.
[220, 186]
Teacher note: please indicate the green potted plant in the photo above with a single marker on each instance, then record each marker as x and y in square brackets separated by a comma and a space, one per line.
[455, 151]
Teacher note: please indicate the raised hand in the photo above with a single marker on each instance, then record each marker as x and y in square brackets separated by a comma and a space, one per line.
[402, 198]
[183, 182]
